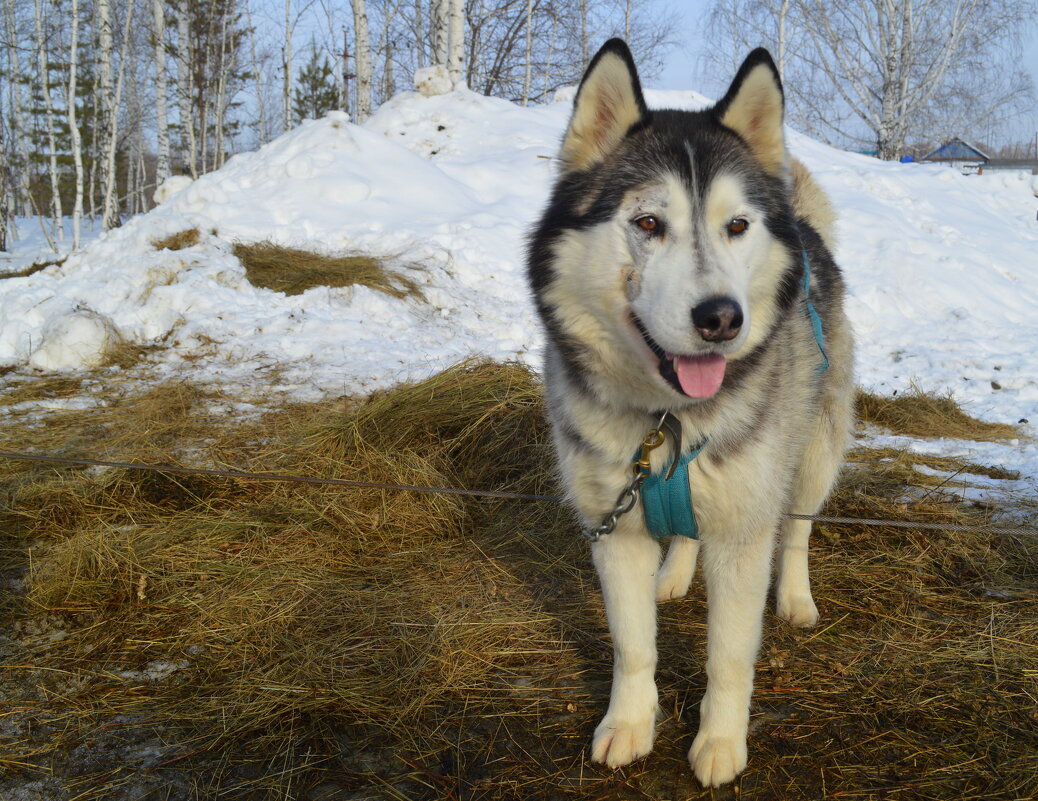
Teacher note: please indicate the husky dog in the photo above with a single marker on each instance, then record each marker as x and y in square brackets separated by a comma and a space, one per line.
[683, 265]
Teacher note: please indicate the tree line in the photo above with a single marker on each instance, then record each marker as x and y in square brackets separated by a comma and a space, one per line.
[102, 100]
[888, 77]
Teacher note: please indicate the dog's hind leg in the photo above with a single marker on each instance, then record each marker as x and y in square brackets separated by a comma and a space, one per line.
[677, 570]
[793, 600]
[627, 561]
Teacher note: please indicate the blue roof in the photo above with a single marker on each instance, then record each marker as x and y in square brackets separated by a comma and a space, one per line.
[956, 150]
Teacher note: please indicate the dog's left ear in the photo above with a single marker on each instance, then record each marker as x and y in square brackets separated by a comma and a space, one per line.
[609, 103]
[753, 107]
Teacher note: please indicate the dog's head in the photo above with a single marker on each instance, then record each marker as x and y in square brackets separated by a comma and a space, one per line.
[671, 231]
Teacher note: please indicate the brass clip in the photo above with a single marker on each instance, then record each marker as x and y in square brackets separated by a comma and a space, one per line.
[652, 440]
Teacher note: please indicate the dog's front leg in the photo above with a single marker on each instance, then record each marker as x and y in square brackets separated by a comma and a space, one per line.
[627, 561]
[737, 574]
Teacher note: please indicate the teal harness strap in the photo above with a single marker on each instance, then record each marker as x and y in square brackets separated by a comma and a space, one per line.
[667, 503]
[812, 313]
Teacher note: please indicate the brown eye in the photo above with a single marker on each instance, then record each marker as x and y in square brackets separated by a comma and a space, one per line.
[648, 223]
[737, 226]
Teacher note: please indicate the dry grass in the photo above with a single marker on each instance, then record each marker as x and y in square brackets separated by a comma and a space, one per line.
[918, 414]
[178, 241]
[286, 641]
[33, 268]
[294, 271]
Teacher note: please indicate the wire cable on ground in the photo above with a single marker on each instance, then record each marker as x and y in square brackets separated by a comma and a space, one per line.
[504, 495]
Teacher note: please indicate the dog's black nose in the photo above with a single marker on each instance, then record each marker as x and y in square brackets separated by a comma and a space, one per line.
[717, 319]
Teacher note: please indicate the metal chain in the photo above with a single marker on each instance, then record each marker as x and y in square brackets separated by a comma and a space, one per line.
[625, 502]
[628, 496]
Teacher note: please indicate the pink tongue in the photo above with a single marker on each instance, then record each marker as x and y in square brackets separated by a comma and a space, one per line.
[700, 376]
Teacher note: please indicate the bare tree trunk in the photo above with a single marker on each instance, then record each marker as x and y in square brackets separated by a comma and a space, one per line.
[363, 58]
[529, 52]
[551, 51]
[389, 80]
[185, 91]
[77, 147]
[18, 130]
[584, 53]
[95, 141]
[260, 104]
[286, 66]
[110, 212]
[108, 109]
[440, 13]
[344, 95]
[219, 153]
[48, 105]
[783, 16]
[456, 40]
[5, 197]
[419, 34]
[162, 169]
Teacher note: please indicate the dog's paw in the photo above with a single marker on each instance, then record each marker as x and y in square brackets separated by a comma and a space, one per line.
[717, 760]
[671, 584]
[675, 574]
[798, 609]
[618, 742]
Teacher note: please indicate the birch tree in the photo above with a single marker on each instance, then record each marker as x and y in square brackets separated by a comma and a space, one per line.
[528, 76]
[257, 77]
[48, 110]
[110, 209]
[286, 66]
[162, 166]
[455, 39]
[185, 89]
[5, 196]
[440, 10]
[363, 59]
[77, 147]
[19, 130]
[108, 109]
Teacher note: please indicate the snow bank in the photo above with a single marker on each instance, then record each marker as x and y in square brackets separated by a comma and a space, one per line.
[942, 268]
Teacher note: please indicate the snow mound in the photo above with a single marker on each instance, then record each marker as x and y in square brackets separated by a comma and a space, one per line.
[81, 338]
[170, 187]
[941, 268]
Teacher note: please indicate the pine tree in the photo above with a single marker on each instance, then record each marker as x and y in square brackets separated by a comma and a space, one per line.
[316, 93]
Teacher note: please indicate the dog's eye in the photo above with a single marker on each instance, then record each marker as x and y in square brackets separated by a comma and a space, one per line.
[649, 224]
[737, 226]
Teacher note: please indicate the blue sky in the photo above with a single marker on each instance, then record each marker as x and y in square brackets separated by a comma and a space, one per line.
[680, 70]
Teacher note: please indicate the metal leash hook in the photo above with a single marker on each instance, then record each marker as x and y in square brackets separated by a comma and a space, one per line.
[628, 497]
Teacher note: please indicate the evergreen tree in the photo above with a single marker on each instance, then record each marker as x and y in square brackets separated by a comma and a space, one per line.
[316, 92]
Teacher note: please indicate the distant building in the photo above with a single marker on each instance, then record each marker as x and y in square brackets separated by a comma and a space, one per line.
[961, 155]
[1029, 165]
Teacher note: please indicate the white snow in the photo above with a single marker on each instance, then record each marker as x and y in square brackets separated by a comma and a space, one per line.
[70, 340]
[942, 268]
[434, 80]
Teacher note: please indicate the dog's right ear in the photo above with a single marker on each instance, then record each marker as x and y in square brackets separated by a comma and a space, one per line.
[609, 103]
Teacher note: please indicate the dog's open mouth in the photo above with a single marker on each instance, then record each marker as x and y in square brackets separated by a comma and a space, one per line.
[694, 376]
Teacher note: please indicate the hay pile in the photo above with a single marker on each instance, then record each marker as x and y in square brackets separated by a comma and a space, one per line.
[294, 271]
[195, 636]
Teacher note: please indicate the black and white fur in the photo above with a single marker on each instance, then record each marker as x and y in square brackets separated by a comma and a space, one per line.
[675, 237]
